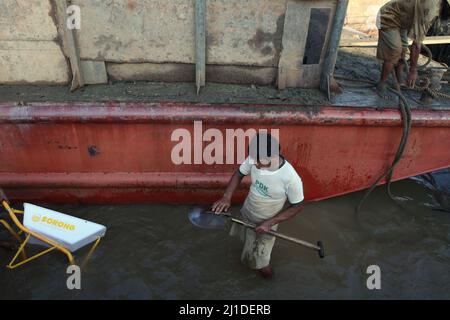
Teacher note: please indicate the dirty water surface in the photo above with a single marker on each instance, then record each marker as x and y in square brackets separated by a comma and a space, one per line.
[153, 252]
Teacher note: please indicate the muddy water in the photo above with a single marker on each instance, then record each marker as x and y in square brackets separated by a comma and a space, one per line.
[152, 252]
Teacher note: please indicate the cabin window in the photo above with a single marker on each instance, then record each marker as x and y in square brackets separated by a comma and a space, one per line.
[317, 33]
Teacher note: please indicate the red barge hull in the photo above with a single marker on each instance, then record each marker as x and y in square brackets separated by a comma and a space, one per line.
[121, 152]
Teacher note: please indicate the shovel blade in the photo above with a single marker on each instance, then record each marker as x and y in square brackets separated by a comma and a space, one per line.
[206, 220]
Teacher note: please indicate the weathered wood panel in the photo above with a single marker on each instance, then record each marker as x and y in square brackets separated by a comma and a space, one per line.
[32, 62]
[26, 20]
[294, 70]
[29, 52]
[178, 72]
[239, 32]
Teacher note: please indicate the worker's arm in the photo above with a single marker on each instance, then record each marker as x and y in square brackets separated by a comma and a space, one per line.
[225, 203]
[287, 214]
[413, 71]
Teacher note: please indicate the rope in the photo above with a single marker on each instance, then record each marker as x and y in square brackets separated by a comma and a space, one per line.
[425, 88]
[429, 55]
[432, 92]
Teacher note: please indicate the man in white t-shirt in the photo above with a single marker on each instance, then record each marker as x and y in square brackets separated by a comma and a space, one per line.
[276, 195]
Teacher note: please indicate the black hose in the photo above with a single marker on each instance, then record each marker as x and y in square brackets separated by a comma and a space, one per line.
[405, 110]
[429, 55]
[407, 124]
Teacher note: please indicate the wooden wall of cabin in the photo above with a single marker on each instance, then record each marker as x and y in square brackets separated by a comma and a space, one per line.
[29, 48]
[153, 40]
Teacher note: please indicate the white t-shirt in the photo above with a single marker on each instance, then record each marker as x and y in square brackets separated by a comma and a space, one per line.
[270, 190]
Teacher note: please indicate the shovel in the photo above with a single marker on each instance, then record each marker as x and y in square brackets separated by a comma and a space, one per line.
[210, 220]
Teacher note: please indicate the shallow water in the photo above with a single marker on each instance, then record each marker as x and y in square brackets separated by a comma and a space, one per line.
[153, 252]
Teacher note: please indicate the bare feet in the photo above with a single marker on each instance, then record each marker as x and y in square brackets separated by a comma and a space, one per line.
[267, 272]
[383, 91]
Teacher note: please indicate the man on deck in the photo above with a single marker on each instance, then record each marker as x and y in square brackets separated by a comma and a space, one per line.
[276, 195]
[400, 19]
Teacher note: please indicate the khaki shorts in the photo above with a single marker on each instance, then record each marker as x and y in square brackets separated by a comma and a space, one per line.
[391, 43]
[257, 247]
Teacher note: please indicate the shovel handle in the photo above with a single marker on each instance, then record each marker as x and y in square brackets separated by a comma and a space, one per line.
[319, 247]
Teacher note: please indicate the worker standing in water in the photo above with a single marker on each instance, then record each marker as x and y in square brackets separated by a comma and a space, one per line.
[276, 195]
[400, 19]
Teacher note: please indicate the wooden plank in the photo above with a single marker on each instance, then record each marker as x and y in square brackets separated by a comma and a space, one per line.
[178, 72]
[239, 32]
[293, 71]
[306, 77]
[94, 72]
[23, 62]
[200, 43]
[69, 44]
[333, 46]
[297, 17]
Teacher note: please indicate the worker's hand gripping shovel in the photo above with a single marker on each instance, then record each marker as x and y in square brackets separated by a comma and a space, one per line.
[210, 220]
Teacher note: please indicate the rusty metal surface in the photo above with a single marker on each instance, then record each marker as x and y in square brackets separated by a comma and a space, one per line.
[219, 114]
[117, 152]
